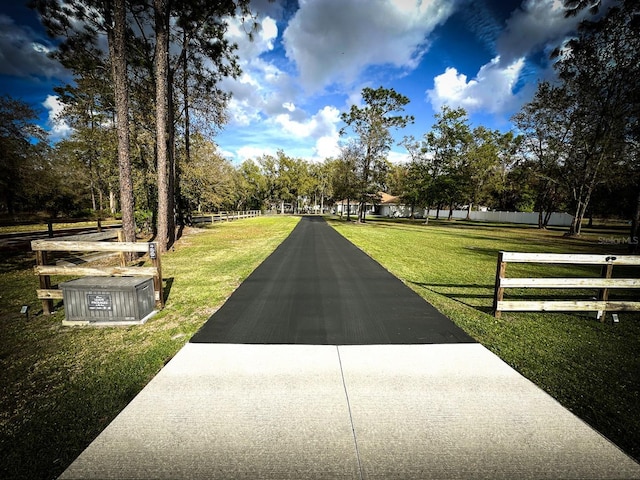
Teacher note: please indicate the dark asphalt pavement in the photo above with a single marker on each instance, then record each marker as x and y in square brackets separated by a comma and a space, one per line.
[317, 288]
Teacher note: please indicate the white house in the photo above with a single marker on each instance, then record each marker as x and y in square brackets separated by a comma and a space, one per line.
[391, 206]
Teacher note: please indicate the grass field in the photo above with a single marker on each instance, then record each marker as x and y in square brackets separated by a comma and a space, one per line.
[592, 368]
[61, 386]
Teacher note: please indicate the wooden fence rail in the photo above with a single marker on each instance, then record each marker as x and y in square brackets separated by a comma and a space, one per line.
[602, 284]
[224, 216]
[47, 293]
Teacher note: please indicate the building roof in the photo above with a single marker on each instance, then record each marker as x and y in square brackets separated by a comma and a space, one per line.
[386, 199]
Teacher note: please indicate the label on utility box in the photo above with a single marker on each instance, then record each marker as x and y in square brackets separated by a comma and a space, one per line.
[99, 301]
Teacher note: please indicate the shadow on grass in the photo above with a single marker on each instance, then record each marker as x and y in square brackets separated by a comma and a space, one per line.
[168, 284]
[12, 260]
[461, 293]
[433, 286]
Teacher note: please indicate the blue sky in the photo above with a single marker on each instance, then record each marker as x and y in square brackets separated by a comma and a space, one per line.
[311, 59]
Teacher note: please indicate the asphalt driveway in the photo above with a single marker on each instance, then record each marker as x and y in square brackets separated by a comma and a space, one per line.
[317, 288]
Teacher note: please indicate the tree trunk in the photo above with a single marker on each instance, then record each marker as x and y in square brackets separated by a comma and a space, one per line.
[162, 116]
[576, 223]
[92, 186]
[469, 211]
[181, 207]
[450, 217]
[540, 219]
[112, 201]
[171, 163]
[581, 209]
[94, 204]
[185, 88]
[117, 50]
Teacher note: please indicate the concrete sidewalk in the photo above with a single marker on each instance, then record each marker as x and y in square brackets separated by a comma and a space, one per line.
[449, 411]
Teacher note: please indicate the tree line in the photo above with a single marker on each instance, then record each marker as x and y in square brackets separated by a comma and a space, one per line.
[145, 106]
[146, 78]
[575, 146]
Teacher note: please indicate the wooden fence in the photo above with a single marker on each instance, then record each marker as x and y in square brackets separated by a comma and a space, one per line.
[67, 230]
[93, 243]
[602, 285]
[224, 216]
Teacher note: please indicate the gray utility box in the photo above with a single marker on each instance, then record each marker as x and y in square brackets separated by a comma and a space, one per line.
[108, 300]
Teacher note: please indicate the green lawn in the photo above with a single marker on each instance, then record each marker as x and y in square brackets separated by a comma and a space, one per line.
[590, 367]
[61, 386]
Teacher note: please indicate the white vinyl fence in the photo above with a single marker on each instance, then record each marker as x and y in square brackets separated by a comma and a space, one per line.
[528, 218]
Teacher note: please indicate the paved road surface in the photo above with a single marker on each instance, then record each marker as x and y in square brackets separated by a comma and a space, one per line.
[318, 288]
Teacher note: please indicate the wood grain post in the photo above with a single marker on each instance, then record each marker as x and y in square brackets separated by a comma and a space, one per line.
[123, 255]
[498, 294]
[45, 282]
[157, 279]
[44, 271]
[607, 272]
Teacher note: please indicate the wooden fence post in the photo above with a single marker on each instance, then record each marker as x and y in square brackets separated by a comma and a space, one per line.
[498, 294]
[606, 272]
[123, 255]
[47, 294]
[157, 279]
[45, 282]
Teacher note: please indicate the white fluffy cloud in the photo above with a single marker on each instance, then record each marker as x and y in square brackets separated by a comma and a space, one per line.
[398, 157]
[23, 54]
[537, 24]
[491, 90]
[334, 40]
[321, 127]
[270, 95]
[262, 41]
[327, 147]
[252, 152]
[321, 124]
[263, 89]
[59, 128]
